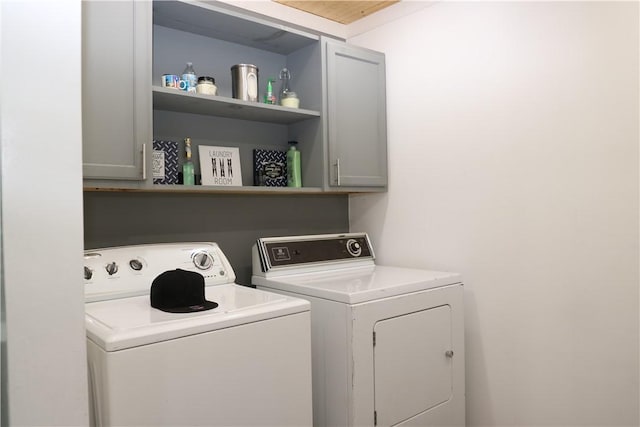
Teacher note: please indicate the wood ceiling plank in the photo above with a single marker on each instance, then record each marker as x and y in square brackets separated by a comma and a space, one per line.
[344, 12]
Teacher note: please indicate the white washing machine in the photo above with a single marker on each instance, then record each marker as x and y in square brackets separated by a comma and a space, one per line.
[246, 362]
[387, 342]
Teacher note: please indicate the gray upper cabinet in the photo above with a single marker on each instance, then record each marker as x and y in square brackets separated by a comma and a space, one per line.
[340, 126]
[116, 88]
[355, 116]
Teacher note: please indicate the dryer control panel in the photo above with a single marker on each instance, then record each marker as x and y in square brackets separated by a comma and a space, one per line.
[303, 251]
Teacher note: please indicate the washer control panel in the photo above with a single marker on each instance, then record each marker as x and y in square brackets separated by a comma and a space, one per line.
[309, 250]
[124, 271]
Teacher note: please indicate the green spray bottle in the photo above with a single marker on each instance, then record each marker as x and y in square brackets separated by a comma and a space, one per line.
[269, 97]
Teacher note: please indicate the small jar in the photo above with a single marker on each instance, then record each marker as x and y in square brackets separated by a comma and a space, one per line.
[290, 99]
[206, 86]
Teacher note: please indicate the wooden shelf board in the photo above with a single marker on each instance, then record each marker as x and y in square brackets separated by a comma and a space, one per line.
[205, 189]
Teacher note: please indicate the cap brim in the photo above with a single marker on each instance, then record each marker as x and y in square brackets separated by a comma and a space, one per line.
[206, 305]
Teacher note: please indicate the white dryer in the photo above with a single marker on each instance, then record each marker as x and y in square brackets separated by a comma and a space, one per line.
[246, 362]
[387, 342]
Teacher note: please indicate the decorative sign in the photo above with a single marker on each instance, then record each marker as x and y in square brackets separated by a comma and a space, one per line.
[269, 168]
[220, 166]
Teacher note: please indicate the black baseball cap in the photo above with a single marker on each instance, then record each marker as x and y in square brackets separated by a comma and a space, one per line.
[179, 291]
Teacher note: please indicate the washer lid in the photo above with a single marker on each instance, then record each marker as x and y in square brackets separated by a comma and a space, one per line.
[131, 322]
[358, 285]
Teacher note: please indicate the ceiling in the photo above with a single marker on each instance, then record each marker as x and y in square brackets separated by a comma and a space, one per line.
[344, 12]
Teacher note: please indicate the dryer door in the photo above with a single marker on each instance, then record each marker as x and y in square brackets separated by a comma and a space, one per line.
[413, 367]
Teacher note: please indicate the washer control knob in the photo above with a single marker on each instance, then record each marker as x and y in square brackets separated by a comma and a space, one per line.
[112, 268]
[88, 273]
[353, 247]
[135, 264]
[202, 260]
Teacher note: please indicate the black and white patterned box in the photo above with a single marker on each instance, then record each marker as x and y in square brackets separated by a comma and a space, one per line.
[269, 168]
[165, 162]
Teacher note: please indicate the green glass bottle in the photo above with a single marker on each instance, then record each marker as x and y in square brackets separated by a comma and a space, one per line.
[188, 176]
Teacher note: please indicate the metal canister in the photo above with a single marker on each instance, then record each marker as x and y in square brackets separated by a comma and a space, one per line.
[244, 82]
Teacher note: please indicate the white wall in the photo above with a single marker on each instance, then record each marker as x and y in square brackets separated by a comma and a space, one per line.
[40, 124]
[513, 158]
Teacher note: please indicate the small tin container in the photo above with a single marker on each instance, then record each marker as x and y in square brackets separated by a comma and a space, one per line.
[290, 99]
[170, 80]
[206, 86]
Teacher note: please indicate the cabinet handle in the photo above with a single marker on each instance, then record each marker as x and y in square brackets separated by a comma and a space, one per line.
[337, 171]
[144, 161]
[449, 353]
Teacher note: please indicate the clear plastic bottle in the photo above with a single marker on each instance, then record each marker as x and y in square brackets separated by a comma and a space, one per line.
[189, 76]
[285, 76]
[188, 176]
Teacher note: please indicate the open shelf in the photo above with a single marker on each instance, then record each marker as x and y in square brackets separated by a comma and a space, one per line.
[180, 101]
[204, 189]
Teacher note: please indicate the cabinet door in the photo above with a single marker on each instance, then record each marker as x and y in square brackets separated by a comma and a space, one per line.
[356, 116]
[116, 88]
